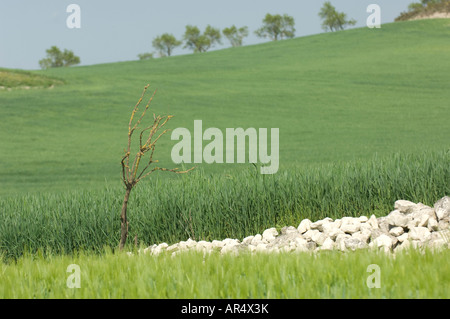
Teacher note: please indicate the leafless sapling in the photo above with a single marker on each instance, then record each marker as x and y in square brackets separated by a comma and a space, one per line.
[131, 172]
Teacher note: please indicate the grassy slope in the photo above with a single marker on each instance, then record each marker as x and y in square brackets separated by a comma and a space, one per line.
[335, 97]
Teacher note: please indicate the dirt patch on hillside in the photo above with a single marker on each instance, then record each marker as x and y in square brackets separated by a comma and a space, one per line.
[23, 80]
[435, 15]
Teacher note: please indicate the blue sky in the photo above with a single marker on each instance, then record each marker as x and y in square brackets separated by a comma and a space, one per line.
[114, 30]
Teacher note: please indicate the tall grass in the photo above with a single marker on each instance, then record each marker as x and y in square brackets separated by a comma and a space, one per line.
[194, 275]
[207, 206]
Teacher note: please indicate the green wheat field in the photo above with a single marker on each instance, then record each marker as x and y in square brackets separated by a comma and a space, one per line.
[364, 121]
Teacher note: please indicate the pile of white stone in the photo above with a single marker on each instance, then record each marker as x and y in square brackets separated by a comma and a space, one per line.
[409, 225]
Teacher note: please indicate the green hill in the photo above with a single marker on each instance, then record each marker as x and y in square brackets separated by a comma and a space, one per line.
[335, 97]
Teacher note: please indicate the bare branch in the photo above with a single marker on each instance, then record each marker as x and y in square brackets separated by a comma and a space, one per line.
[130, 174]
[143, 112]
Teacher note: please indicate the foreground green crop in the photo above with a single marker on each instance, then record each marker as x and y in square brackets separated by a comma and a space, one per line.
[410, 274]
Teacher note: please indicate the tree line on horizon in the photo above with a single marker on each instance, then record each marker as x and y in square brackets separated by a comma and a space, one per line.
[275, 27]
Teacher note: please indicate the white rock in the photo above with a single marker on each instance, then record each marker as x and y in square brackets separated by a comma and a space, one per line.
[333, 233]
[348, 220]
[383, 241]
[354, 244]
[366, 227]
[383, 224]
[257, 240]
[191, 243]
[439, 239]
[319, 224]
[218, 244]
[270, 234]
[340, 241]
[362, 236]
[229, 241]
[289, 230]
[433, 224]
[396, 231]
[300, 242]
[304, 226]
[425, 210]
[156, 251]
[350, 226]
[444, 224]
[311, 245]
[337, 223]
[412, 223]
[199, 248]
[423, 221]
[373, 222]
[172, 248]
[403, 237]
[328, 227]
[419, 233]
[319, 238]
[148, 250]
[397, 219]
[207, 246]
[328, 244]
[363, 219]
[442, 208]
[404, 206]
[311, 233]
[159, 249]
[248, 240]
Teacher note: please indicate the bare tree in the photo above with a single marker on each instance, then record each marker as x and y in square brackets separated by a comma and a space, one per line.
[131, 174]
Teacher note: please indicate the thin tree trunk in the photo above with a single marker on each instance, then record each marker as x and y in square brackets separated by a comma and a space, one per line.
[123, 217]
